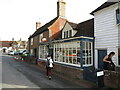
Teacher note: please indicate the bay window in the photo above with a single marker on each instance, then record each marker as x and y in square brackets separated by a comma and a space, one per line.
[69, 53]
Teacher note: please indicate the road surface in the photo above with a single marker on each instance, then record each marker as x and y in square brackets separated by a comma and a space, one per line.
[17, 74]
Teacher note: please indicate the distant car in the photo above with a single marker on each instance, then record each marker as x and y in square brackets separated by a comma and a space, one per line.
[11, 52]
[22, 51]
[16, 53]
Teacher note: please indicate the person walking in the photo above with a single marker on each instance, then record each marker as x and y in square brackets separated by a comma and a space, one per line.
[49, 66]
[108, 63]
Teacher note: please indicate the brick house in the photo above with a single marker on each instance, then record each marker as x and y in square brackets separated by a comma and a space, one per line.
[58, 30]
[50, 30]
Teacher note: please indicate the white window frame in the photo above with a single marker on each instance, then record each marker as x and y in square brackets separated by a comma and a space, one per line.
[118, 17]
[65, 46]
[43, 51]
[67, 33]
[68, 45]
[31, 41]
[40, 37]
[88, 64]
[31, 51]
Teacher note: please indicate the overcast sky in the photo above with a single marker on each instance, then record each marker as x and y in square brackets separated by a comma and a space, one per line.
[18, 17]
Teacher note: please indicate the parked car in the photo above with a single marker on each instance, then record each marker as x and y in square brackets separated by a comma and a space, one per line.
[16, 53]
[11, 52]
[22, 51]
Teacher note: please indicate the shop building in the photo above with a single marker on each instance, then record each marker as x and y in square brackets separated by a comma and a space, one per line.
[69, 44]
[74, 47]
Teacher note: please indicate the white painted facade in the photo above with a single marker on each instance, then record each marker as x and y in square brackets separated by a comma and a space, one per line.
[67, 27]
[107, 32]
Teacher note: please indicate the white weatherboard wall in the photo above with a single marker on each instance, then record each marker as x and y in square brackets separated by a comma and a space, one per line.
[106, 32]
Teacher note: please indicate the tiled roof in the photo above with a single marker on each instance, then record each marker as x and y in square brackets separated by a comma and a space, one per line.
[73, 25]
[85, 28]
[8, 43]
[43, 28]
[106, 4]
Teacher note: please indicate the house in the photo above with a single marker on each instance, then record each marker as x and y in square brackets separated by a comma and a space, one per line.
[64, 40]
[8, 45]
[50, 30]
[21, 44]
[75, 48]
[70, 44]
[107, 32]
[72, 50]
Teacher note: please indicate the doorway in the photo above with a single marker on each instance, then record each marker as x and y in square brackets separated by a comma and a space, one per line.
[35, 52]
[101, 55]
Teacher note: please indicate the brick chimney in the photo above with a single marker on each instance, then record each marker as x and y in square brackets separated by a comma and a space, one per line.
[61, 8]
[38, 25]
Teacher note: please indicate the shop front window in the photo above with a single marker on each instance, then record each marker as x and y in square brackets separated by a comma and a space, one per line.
[43, 51]
[70, 53]
[87, 53]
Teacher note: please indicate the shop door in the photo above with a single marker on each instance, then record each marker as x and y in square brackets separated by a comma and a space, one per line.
[35, 52]
[51, 52]
[101, 55]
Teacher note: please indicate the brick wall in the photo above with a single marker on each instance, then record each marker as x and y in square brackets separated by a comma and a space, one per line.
[46, 35]
[112, 78]
[69, 73]
[35, 44]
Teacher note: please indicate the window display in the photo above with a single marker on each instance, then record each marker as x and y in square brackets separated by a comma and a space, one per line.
[70, 53]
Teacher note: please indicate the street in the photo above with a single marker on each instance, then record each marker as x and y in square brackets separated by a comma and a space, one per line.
[17, 74]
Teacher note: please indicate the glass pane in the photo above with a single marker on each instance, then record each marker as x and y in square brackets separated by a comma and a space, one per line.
[66, 59]
[70, 52]
[70, 59]
[90, 54]
[67, 34]
[75, 60]
[83, 45]
[70, 33]
[89, 45]
[83, 61]
[90, 60]
[64, 35]
[67, 52]
[74, 50]
[87, 62]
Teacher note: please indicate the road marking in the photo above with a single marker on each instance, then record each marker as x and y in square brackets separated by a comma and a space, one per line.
[16, 86]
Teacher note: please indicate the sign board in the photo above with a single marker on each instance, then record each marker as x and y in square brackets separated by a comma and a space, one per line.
[100, 73]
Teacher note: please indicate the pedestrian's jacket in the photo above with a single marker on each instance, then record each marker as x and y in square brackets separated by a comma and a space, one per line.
[49, 62]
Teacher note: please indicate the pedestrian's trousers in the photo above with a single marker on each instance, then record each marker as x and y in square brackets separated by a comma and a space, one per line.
[48, 71]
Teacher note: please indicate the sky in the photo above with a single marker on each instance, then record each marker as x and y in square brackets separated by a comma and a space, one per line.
[18, 17]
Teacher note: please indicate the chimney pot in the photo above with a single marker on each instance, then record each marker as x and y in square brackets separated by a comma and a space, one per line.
[38, 25]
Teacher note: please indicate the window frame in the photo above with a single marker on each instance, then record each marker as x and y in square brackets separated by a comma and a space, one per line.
[31, 41]
[68, 33]
[70, 47]
[118, 16]
[40, 37]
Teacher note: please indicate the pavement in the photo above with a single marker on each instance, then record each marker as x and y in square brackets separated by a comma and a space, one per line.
[18, 74]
